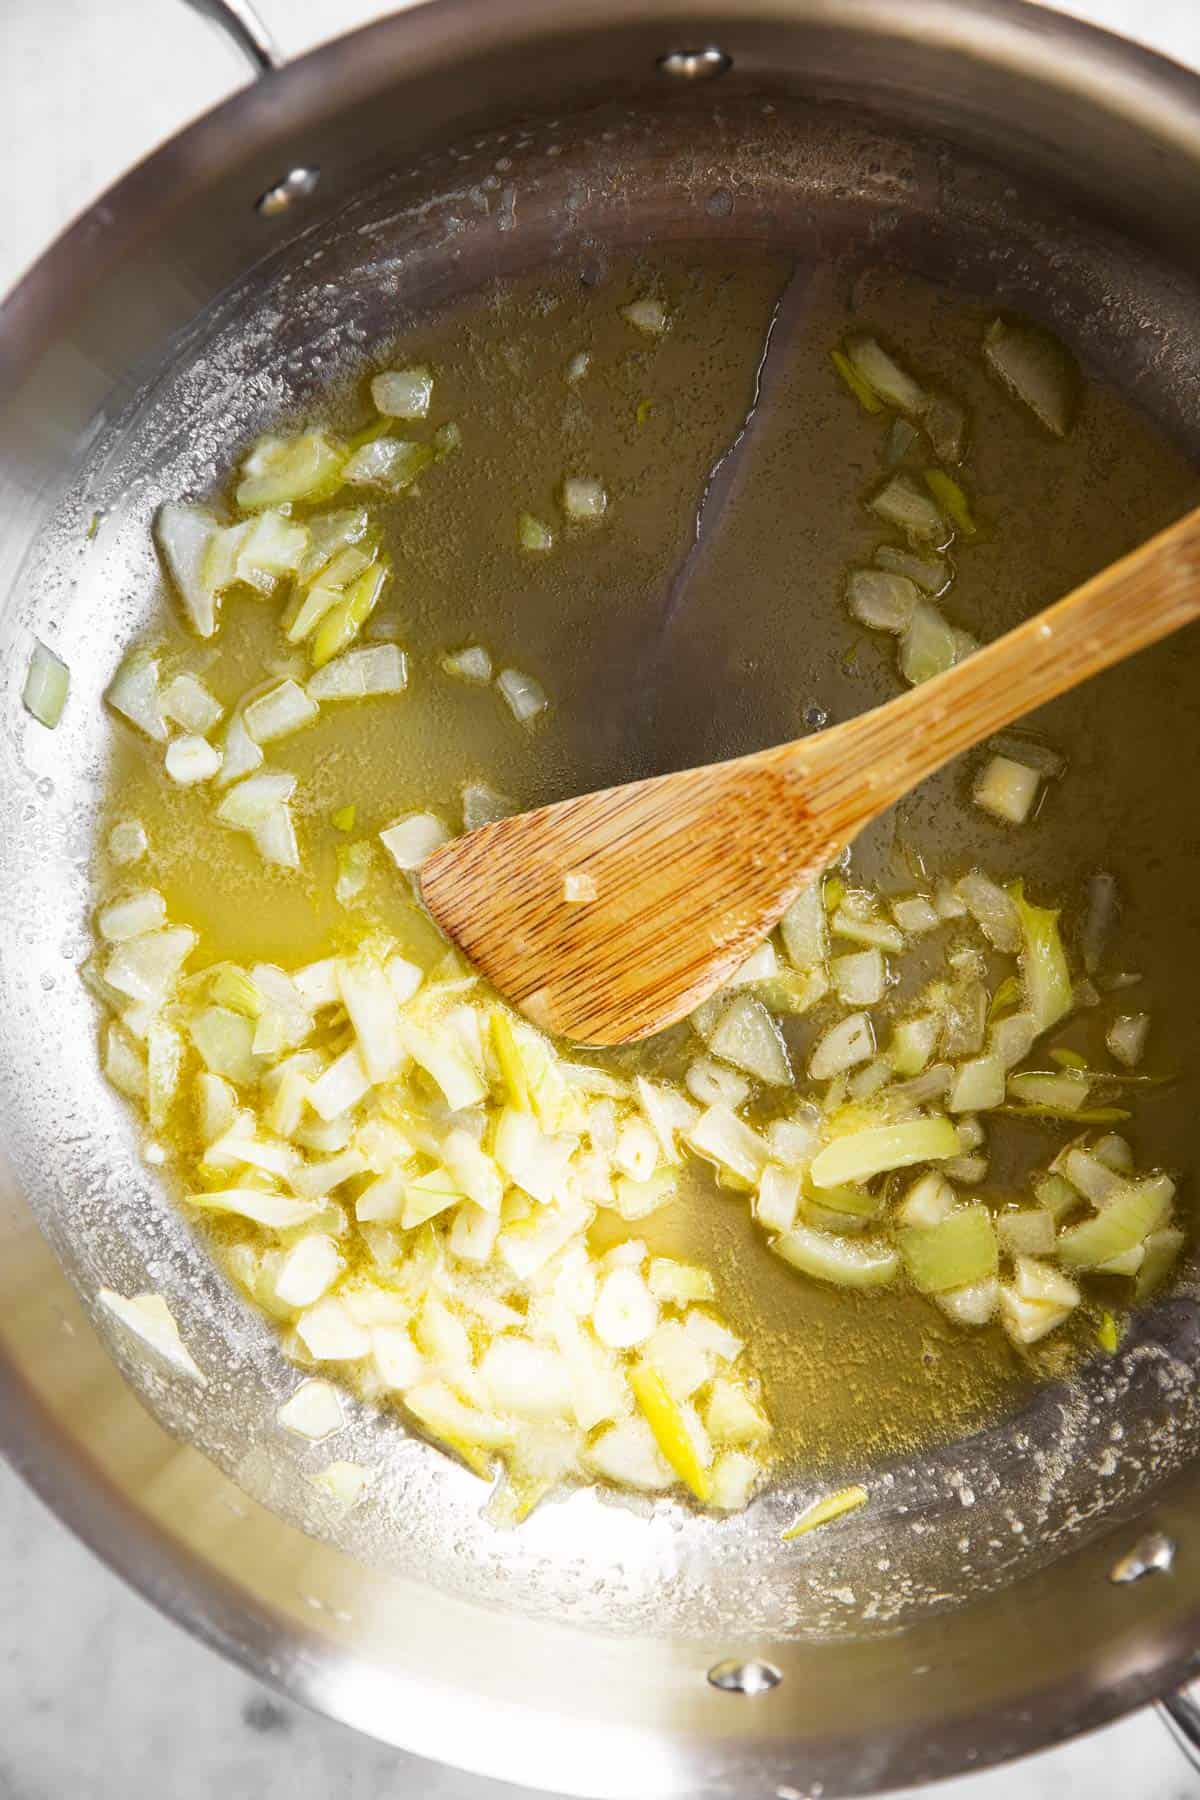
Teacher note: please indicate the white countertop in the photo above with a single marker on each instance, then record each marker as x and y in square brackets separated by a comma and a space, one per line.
[101, 1698]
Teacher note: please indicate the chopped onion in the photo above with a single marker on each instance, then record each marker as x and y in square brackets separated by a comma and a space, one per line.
[375, 1015]
[978, 1085]
[342, 623]
[802, 928]
[127, 841]
[930, 573]
[131, 915]
[307, 1270]
[946, 425]
[850, 1042]
[846, 1262]
[723, 1138]
[388, 462]
[254, 799]
[748, 1037]
[414, 837]
[913, 1043]
[146, 967]
[992, 910]
[711, 1084]
[184, 535]
[279, 1212]
[778, 1198]
[880, 600]
[341, 1086]
[525, 696]
[241, 756]
[1036, 368]
[902, 503]
[314, 1411]
[532, 534]
[187, 702]
[471, 664]
[1007, 789]
[275, 838]
[928, 647]
[648, 315]
[281, 470]
[1126, 1038]
[884, 376]
[279, 712]
[959, 1250]
[1130, 1214]
[859, 1155]
[191, 759]
[133, 692]
[1043, 963]
[860, 978]
[403, 393]
[359, 673]
[150, 1320]
[47, 684]
[584, 498]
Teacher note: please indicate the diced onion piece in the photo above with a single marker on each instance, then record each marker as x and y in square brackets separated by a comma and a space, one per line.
[945, 423]
[131, 915]
[274, 545]
[978, 1085]
[388, 462]
[802, 928]
[342, 623]
[844, 1261]
[329, 1332]
[383, 669]
[670, 1426]
[187, 702]
[862, 390]
[850, 1042]
[403, 393]
[859, 1155]
[145, 968]
[447, 1063]
[341, 1086]
[884, 376]
[778, 1198]
[47, 684]
[678, 1284]
[974, 1304]
[646, 315]
[1129, 1216]
[1043, 962]
[344, 1482]
[902, 503]
[584, 498]
[1028, 1232]
[913, 1043]
[959, 1249]
[314, 1411]
[927, 1202]
[930, 573]
[530, 1380]
[526, 697]
[191, 759]
[1065, 1093]
[328, 535]
[928, 647]
[133, 692]
[628, 1454]
[533, 535]
[1162, 1250]
[709, 1082]
[860, 979]
[278, 471]
[279, 712]
[150, 1320]
[275, 838]
[863, 927]
[1126, 1038]
[278, 1212]
[731, 1416]
[471, 1433]
[472, 664]
[915, 914]
[414, 837]
[242, 755]
[748, 1037]
[254, 799]
[1036, 368]
[723, 1138]
[375, 1015]
[823, 1512]
[1094, 1179]
[127, 841]
[307, 1270]
[667, 1113]
[473, 1170]
[1007, 790]
[183, 535]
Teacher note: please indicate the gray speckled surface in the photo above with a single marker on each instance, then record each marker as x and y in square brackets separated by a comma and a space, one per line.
[101, 1697]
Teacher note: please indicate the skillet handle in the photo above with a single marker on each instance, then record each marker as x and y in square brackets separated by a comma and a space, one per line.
[245, 31]
[1180, 1713]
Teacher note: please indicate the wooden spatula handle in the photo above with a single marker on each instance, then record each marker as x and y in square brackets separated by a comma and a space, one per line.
[1146, 596]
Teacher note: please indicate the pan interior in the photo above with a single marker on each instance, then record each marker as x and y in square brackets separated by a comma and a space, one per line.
[784, 222]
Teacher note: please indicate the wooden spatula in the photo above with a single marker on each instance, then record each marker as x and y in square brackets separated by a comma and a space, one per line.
[607, 917]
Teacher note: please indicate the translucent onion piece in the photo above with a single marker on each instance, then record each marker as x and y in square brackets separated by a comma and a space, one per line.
[533, 535]
[723, 1138]
[183, 535]
[900, 502]
[360, 673]
[471, 664]
[846, 1262]
[314, 1411]
[1007, 790]
[860, 1155]
[928, 647]
[1043, 962]
[1128, 1217]
[411, 839]
[131, 915]
[584, 499]
[1126, 1038]
[403, 393]
[930, 573]
[281, 470]
[526, 697]
[133, 692]
[802, 928]
[959, 1249]
[187, 702]
[881, 601]
[884, 375]
[1036, 368]
[388, 462]
[648, 316]
[47, 684]
[191, 759]
[843, 1046]
[149, 1319]
[859, 979]
[748, 1037]
[279, 712]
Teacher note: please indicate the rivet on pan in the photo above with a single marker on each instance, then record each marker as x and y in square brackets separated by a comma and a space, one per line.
[744, 1677]
[1150, 1555]
[695, 65]
[297, 184]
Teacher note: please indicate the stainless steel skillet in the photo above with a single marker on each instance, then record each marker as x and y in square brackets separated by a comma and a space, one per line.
[599, 1651]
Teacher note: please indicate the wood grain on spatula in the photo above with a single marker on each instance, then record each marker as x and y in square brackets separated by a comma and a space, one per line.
[689, 870]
